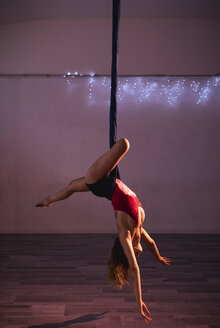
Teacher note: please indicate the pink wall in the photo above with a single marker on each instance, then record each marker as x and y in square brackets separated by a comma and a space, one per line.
[146, 46]
[50, 133]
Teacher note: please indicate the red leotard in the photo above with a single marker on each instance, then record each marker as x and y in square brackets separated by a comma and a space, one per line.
[124, 199]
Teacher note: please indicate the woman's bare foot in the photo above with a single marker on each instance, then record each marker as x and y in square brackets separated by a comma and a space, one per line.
[44, 202]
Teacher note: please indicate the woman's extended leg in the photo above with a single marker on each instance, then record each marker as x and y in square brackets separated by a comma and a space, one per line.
[98, 170]
[107, 162]
[77, 185]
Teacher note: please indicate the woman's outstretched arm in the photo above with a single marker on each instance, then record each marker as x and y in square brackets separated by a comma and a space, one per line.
[126, 243]
[151, 245]
[77, 185]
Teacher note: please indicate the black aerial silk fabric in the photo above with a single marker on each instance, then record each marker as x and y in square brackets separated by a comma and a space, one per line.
[114, 79]
[105, 187]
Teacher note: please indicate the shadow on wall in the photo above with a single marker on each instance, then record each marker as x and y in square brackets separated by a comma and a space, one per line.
[84, 318]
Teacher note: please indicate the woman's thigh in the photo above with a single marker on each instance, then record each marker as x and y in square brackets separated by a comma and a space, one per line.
[107, 162]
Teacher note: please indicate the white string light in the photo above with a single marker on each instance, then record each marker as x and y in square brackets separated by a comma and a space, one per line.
[91, 81]
[168, 90]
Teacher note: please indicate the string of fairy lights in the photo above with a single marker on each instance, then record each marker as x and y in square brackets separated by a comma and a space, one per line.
[169, 90]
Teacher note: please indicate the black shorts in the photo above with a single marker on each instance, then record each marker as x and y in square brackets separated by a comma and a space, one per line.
[104, 187]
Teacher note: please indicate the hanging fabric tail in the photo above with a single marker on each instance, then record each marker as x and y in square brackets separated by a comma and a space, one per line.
[113, 102]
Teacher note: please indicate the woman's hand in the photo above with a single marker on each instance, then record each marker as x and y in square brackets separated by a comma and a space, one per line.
[164, 260]
[143, 309]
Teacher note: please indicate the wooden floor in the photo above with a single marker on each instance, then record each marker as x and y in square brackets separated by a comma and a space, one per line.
[59, 280]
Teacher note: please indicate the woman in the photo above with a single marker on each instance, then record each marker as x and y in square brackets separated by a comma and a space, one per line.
[101, 180]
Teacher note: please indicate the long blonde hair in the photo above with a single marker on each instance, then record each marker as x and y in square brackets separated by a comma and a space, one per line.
[118, 267]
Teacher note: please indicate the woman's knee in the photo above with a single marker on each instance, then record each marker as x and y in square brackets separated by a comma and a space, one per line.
[124, 143]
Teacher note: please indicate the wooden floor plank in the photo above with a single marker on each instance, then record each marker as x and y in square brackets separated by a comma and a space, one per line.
[59, 280]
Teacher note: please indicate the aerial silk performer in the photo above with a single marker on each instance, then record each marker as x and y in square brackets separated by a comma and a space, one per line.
[103, 180]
